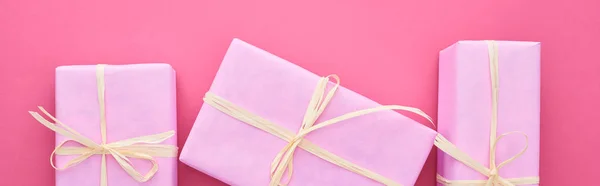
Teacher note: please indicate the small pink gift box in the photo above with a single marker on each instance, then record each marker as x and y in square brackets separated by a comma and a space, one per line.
[465, 108]
[139, 100]
[237, 153]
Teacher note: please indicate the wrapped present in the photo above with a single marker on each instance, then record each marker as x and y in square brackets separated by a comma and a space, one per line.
[263, 114]
[115, 125]
[489, 113]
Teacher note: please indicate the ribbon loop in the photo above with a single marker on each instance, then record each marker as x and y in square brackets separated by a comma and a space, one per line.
[516, 155]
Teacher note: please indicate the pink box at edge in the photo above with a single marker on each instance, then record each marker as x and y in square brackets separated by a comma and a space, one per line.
[236, 153]
[140, 100]
[464, 113]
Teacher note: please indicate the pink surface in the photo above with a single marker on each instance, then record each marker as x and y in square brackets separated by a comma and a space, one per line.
[465, 107]
[386, 50]
[237, 153]
[140, 101]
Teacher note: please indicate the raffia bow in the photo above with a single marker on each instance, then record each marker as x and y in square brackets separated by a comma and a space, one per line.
[492, 173]
[283, 161]
[143, 147]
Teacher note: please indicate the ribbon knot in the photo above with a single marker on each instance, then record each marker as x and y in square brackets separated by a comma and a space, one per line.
[493, 178]
[493, 172]
[104, 148]
[143, 147]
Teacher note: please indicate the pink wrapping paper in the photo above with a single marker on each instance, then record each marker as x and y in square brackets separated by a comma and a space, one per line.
[464, 113]
[236, 153]
[140, 100]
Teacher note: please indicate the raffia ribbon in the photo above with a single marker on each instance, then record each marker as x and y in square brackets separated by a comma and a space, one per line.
[143, 147]
[492, 172]
[283, 161]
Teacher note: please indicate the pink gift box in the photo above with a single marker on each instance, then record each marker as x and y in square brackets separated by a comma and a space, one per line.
[139, 99]
[465, 107]
[236, 153]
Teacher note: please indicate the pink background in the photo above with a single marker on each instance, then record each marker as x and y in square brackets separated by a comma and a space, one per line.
[386, 50]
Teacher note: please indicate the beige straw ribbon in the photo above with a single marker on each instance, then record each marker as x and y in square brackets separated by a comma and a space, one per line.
[143, 147]
[492, 172]
[283, 161]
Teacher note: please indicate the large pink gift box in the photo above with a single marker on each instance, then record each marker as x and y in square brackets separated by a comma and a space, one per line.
[139, 99]
[237, 153]
[465, 107]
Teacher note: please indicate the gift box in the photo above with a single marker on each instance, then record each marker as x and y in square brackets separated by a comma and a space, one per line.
[259, 109]
[111, 117]
[489, 113]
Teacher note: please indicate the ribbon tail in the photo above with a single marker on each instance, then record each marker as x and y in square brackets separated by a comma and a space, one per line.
[61, 128]
[278, 166]
[103, 176]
